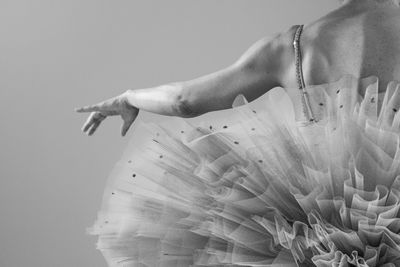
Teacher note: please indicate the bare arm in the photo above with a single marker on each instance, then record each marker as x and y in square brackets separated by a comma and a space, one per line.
[258, 70]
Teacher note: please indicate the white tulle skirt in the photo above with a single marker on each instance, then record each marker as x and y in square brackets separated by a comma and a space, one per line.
[256, 188]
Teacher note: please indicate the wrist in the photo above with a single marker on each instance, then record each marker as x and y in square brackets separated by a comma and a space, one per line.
[130, 97]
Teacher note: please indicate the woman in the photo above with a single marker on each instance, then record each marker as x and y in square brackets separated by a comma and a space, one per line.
[319, 190]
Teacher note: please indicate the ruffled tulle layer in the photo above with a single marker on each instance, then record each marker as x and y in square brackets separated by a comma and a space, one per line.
[257, 189]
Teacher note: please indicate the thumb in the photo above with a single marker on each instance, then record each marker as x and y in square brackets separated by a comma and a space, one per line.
[125, 127]
[128, 120]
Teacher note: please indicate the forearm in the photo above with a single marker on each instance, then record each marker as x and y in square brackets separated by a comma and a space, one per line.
[163, 100]
[215, 91]
[188, 98]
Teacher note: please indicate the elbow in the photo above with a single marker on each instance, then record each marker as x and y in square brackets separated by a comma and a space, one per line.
[185, 104]
[186, 109]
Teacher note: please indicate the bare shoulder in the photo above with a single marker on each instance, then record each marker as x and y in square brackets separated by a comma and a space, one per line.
[273, 56]
[331, 47]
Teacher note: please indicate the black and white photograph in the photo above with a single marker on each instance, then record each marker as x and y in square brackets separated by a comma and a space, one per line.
[195, 133]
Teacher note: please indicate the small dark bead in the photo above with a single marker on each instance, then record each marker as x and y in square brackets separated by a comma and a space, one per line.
[134, 175]
[182, 131]
[254, 111]
[210, 127]
[341, 106]
[373, 100]
[161, 156]
[129, 161]
[236, 142]
[395, 110]
[260, 160]
[321, 104]
[225, 127]
[112, 193]
[337, 92]
[253, 129]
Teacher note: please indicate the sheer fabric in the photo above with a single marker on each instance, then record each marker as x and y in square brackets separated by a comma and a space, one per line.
[259, 188]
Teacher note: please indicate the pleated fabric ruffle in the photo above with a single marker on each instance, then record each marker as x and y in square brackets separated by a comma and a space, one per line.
[255, 188]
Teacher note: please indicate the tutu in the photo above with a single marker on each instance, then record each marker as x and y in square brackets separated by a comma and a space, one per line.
[260, 188]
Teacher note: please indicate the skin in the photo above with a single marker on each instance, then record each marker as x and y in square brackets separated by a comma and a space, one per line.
[361, 37]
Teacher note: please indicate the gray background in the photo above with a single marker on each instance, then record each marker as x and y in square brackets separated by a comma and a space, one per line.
[57, 55]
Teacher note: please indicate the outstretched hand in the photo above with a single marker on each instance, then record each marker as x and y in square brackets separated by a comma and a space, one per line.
[118, 105]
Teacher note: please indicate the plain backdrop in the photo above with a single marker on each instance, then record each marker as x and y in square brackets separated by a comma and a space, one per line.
[57, 55]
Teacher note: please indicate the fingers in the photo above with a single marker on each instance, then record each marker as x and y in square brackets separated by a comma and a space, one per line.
[110, 107]
[93, 128]
[93, 121]
[88, 123]
[107, 105]
[88, 108]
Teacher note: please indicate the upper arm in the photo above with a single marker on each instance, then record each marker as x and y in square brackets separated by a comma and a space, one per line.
[270, 58]
[262, 67]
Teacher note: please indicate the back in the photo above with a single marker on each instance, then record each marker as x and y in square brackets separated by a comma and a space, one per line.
[361, 38]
